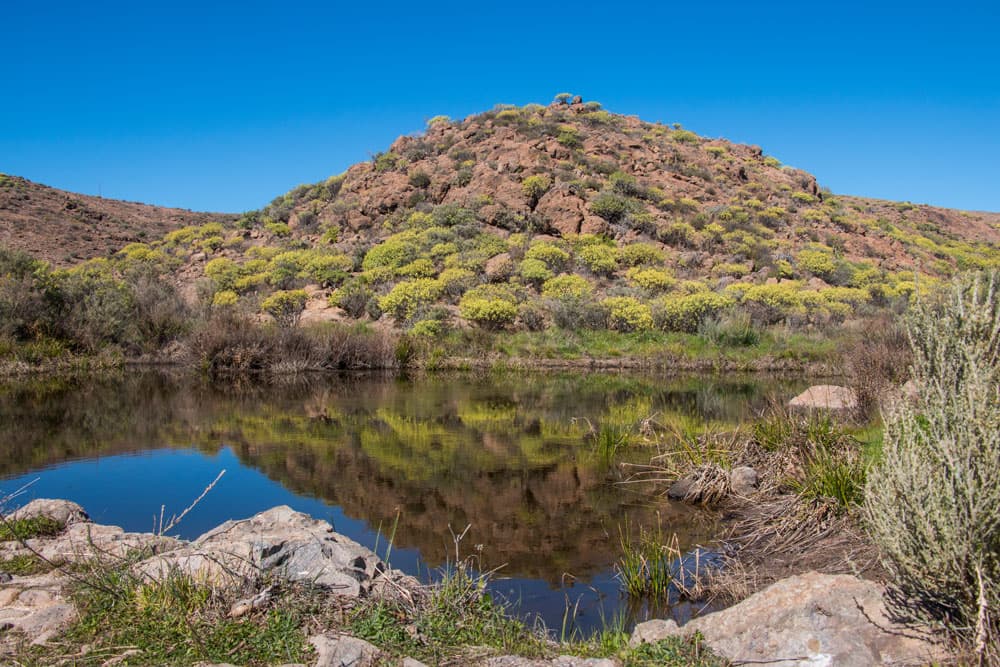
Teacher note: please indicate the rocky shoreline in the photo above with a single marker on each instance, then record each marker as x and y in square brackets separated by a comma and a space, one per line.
[812, 619]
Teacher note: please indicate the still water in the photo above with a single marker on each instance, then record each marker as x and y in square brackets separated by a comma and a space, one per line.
[415, 458]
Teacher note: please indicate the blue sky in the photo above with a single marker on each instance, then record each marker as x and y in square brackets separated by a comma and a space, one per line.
[222, 106]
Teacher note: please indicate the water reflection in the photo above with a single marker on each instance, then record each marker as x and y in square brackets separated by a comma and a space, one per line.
[508, 455]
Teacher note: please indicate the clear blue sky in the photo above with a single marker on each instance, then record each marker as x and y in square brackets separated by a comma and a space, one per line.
[222, 106]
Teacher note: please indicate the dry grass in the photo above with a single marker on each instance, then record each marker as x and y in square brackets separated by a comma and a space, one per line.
[229, 343]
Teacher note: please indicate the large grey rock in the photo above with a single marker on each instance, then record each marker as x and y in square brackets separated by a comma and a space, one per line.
[339, 650]
[61, 511]
[825, 397]
[282, 541]
[811, 620]
[36, 607]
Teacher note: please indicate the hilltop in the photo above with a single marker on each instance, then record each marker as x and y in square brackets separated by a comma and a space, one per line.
[517, 216]
[65, 228]
[559, 222]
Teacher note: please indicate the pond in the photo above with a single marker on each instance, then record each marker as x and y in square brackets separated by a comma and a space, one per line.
[512, 456]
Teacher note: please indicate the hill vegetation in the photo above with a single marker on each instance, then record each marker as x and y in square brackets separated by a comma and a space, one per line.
[565, 222]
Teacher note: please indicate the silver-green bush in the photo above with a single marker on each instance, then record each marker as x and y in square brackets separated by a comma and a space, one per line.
[933, 502]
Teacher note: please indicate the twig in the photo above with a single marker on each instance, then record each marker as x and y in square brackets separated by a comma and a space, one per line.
[177, 519]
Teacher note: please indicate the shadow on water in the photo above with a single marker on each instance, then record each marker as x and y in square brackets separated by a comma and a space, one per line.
[511, 455]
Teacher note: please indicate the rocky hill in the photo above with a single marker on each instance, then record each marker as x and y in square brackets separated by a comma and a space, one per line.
[65, 228]
[562, 215]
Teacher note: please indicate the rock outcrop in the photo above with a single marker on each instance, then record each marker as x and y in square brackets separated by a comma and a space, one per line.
[825, 397]
[809, 620]
[284, 542]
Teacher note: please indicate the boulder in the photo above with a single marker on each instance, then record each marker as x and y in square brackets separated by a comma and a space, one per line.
[60, 511]
[653, 631]
[743, 480]
[825, 397]
[809, 620]
[339, 650]
[285, 542]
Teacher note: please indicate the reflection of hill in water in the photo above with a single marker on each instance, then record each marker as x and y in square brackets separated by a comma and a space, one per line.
[507, 455]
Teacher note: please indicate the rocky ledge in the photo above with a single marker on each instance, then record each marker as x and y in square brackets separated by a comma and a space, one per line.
[808, 620]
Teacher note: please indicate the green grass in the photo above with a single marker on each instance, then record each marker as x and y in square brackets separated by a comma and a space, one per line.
[24, 565]
[176, 622]
[40, 526]
[651, 346]
[179, 621]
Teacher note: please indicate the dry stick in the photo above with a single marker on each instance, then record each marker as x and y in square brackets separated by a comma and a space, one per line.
[177, 519]
[981, 617]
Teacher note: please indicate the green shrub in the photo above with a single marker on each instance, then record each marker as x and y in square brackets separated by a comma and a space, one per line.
[684, 312]
[933, 502]
[636, 254]
[678, 234]
[418, 268]
[278, 228]
[817, 262]
[225, 299]
[493, 314]
[427, 328]
[386, 161]
[554, 257]
[601, 260]
[353, 298]
[455, 281]
[393, 253]
[612, 207]
[625, 184]
[419, 179]
[534, 271]
[652, 280]
[285, 306]
[626, 313]
[684, 136]
[534, 187]
[569, 136]
[405, 298]
[567, 286]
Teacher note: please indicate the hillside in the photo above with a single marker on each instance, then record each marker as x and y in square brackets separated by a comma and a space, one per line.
[64, 227]
[563, 217]
[528, 217]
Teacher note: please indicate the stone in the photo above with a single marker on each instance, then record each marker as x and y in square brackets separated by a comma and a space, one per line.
[815, 619]
[825, 397]
[279, 540]
[60, 511]
[654, 631]
[679, 489]
[743, 480]
[81, 541]
[411, 662]
[340, 650]
[36, 607]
